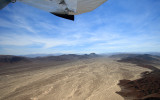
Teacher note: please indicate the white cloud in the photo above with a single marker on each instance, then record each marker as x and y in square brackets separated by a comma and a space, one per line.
[24, 40]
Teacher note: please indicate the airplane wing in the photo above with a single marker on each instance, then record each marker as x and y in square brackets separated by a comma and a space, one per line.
[4, 3]
[62, 8]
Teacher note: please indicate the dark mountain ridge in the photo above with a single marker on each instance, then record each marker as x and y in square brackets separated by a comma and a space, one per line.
[147, 87]
[15, 59]
[12, 59]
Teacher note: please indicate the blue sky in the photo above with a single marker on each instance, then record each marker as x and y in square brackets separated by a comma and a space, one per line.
[115, 26]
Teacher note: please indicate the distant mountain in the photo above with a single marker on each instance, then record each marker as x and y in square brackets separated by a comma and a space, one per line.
[40, 55]
[56, 54]
[7, 59]
[145, 58]
[67, 57]
[123, 55]
[12, 59]
[154, 53]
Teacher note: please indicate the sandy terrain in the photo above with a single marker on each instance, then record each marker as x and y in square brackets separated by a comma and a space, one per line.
[91, 79]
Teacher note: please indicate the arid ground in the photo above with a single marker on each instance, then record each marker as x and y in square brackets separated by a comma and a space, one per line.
[94, 78]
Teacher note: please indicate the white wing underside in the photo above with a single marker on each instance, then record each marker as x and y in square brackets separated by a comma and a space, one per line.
[70, 7]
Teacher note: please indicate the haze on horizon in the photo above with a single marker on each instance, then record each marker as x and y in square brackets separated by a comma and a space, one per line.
[115, 26]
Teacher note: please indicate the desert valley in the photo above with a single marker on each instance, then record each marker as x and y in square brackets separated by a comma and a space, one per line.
[80, 77]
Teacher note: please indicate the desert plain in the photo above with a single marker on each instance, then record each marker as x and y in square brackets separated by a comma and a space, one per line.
[94, 78]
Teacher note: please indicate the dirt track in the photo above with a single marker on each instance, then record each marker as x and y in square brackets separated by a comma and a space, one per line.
[92, 79]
